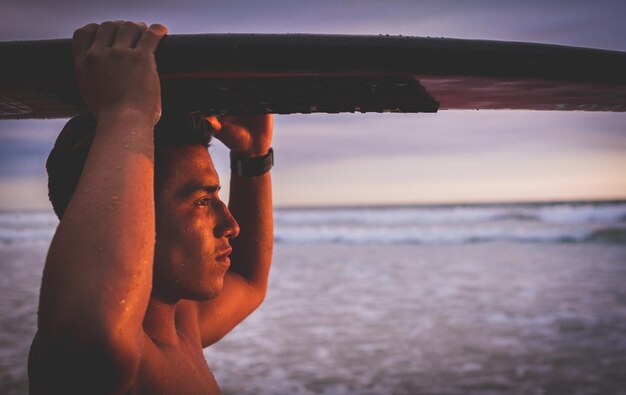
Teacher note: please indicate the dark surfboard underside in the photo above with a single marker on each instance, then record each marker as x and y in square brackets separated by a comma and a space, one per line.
[286, 74]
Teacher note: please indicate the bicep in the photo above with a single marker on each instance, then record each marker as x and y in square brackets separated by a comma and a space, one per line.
[237, 300]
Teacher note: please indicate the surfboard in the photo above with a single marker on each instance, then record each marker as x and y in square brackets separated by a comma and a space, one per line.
[302, 73]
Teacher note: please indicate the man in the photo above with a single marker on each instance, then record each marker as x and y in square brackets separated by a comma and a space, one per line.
[148, 265]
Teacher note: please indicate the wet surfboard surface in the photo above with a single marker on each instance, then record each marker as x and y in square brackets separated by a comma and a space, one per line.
[301, 73]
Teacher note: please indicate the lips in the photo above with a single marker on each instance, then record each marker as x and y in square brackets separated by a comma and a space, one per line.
[222, 256]
[225, 253]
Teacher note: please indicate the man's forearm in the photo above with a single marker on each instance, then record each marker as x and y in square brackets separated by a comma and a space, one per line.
[251, 205]
[98, 272]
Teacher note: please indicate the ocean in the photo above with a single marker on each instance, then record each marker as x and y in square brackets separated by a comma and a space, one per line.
[454, 299]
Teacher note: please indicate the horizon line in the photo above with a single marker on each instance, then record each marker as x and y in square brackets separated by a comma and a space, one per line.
[398, 205]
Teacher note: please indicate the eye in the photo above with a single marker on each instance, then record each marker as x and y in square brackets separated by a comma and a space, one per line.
[205, 201]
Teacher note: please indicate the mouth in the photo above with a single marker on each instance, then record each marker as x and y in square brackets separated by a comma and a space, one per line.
[222, 256]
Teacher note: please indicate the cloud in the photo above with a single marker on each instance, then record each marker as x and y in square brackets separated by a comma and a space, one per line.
[344, 145]
[322, 137]
[351, 142]
[583, 23]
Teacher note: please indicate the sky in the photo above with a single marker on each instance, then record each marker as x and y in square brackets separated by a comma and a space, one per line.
[365, 159]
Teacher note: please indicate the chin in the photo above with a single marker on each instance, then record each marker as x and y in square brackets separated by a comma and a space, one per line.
[208, 292]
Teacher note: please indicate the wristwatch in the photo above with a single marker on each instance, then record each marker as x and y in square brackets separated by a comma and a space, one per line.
[251, 167]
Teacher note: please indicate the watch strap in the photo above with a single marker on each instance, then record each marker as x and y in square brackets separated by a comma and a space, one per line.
[251, 167]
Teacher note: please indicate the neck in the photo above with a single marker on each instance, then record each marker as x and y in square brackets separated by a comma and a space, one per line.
[159, 321]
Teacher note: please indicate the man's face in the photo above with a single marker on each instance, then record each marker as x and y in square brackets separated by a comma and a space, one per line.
[192, 226]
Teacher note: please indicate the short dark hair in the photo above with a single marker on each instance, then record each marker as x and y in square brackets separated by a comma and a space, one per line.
[69, 154]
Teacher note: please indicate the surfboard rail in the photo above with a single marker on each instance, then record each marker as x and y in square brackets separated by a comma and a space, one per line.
[304, 73]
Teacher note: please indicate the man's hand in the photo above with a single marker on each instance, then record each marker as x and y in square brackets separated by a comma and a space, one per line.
[115, 68]
[246, 135]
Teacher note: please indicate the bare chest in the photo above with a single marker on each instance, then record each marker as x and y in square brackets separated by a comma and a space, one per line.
[175, 370]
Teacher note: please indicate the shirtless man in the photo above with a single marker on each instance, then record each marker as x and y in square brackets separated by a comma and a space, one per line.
[140, 275]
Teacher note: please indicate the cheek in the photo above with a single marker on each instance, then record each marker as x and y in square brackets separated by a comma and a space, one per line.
[196, 249]
[172, 245]
[197, 233]
[185, 241]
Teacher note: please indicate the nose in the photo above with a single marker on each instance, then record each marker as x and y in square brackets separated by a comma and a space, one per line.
[227, 226]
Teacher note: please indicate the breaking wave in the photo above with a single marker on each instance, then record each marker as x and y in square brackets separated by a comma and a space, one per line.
[526, 223]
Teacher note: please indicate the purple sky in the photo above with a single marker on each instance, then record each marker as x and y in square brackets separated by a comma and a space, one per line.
[374, 158]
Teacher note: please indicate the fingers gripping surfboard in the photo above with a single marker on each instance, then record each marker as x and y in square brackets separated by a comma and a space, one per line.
[295, 73]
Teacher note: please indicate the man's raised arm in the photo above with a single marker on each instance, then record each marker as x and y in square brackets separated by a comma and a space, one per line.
[250, 202]
[98, 273]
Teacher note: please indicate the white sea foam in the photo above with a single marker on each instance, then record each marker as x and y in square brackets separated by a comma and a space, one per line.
[497, 318]
[26, 227]
[544, 223]
[548, 213]
[444, 234]
[18, 219]
[584, 213]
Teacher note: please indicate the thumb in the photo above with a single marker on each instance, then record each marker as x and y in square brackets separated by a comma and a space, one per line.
[215, 122]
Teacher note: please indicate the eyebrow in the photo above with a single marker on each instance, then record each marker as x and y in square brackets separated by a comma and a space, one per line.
[191, 188]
